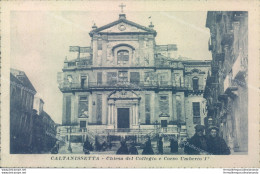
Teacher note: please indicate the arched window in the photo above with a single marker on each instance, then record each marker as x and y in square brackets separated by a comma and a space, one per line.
[122, 57]
[195, 83]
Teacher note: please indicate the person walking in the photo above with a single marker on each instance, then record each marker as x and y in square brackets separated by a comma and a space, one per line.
[123, 150]
[98, 146]
[87, 146]
[216, 145]
[197, 144]
[148, 150]
[174, 145]
[160, 146]
[132, 149]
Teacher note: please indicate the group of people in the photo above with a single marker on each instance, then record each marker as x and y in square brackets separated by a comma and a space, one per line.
[200, 144]
[88, 146]
[124, 150]
[147, 147]
[174, 145]
[132, 150]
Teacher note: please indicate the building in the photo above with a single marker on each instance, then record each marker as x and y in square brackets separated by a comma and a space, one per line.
[31, 129]
[124, 84]
[44, 128]
[227, 84]
[21, 107]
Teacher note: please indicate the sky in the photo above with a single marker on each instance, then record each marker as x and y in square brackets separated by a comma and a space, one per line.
[40, 41]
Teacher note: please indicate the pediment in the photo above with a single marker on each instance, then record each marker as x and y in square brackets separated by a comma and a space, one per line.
[123, 26]
[123, 95]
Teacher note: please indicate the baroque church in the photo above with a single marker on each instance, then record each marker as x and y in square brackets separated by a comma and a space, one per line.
[125, 84]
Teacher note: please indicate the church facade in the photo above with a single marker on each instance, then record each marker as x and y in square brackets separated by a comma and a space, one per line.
[126, 84]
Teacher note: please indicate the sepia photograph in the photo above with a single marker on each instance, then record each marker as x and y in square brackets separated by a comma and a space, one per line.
[124, 81]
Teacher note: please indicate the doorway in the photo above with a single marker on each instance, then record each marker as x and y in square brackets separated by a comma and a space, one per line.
[123, 118]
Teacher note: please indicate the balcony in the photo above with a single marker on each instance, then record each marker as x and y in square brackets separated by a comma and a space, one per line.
[240, 66]
[154, 85]
[198, 89]
[228, 84]
[227, 38]
[79, 63]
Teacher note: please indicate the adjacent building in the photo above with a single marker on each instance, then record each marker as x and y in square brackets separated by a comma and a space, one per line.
[125, 84]
[31, 129]
[44, 129]
[227, 84]
[21, 107]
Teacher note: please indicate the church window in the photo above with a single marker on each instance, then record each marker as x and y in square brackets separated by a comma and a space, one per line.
[164, 104]
[134, 77]
[111, 78]
[83, 106]
[196, 112]
[195, 83]
[122, 57]
[163, 79]
[83, 81]
[122, 76]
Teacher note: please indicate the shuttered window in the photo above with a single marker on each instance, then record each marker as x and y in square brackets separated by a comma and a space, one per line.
[134, 77]
[111, 78]
[196, 113]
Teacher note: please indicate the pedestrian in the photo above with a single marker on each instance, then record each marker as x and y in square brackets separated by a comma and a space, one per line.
[104, 145]
[216, 144]
[98, 146]
[123, 150]
[197, 144]
[132, 149]
[160, 146]
[87, 146]
[148, 150]
[174, 144]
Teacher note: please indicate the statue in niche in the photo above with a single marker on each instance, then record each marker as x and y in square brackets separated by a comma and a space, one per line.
[146, 60]
[177, 79]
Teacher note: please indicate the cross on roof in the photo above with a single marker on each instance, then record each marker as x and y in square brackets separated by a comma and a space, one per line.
[122, 6]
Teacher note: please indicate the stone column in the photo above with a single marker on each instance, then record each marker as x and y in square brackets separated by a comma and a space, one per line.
[113, 114]
[109, 115]
[136, 114]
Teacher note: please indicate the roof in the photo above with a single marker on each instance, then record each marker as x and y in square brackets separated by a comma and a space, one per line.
[210, 19]
[124, 20]
[22, 78]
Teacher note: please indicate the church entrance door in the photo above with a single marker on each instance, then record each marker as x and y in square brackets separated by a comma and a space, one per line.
[123, 118]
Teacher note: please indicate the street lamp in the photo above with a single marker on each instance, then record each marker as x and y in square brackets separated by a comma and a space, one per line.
[69, 148]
